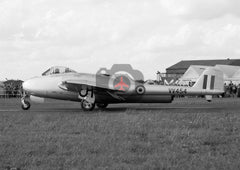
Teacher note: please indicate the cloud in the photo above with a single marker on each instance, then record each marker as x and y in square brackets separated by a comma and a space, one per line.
[88, 34]
[204, 9]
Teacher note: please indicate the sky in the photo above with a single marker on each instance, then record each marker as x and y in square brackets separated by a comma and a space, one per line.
[86, 35]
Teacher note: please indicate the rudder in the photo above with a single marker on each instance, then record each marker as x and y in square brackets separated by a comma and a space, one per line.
[210, 79]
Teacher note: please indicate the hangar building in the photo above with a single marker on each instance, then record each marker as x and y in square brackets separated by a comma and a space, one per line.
[178, 69]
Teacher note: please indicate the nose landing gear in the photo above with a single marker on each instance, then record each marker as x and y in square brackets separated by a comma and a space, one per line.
[25, 104]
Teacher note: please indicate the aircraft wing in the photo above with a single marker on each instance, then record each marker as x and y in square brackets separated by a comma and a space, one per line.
[99, 88]
[78, 85]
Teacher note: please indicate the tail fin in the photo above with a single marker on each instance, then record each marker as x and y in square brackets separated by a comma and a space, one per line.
[210, 80]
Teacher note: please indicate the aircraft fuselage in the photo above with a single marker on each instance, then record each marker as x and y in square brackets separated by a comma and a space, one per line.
[48, 87]
[106, 89]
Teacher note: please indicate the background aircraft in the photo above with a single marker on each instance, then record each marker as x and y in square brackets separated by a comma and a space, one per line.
[101, 89]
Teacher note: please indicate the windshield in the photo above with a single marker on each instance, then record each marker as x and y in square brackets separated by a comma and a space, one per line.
[58, 70]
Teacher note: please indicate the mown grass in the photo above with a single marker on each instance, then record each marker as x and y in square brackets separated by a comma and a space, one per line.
[134, 138]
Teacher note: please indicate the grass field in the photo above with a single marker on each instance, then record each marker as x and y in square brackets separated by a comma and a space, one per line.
[187, 134]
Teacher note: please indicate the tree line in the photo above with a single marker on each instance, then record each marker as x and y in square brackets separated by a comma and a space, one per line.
[11, 88]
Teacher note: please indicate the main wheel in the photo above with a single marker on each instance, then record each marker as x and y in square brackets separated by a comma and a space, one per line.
[87, 106]
[102, 105]
[26, 105]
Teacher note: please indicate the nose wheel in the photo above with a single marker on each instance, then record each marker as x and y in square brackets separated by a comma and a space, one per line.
[25, 104]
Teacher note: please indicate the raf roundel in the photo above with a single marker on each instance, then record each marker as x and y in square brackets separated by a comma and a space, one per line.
[140, 89]
[121, 83]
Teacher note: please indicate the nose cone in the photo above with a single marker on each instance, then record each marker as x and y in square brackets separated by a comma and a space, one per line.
[27, 85]
[31, 85]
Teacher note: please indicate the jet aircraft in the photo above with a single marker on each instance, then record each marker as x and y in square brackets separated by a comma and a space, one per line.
[91, 89]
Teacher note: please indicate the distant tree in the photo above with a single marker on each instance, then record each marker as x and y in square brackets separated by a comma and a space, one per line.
[13, 88]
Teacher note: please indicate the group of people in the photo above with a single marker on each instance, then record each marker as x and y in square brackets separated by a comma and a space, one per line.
[231, 90]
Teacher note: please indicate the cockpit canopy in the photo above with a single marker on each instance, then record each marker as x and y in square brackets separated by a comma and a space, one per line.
[58, 70]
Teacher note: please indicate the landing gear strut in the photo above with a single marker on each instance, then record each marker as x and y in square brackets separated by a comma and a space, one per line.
[88, 100]
[25, 104]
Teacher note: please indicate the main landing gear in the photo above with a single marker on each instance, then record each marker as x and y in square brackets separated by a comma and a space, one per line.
[88, 99]
[102, 105]
[87, 106]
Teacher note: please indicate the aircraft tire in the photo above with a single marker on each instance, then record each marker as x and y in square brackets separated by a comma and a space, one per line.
[102, 105]
[87, 106]
[26, 105]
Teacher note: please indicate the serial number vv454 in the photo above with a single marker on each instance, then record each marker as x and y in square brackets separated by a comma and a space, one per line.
[181, 91]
